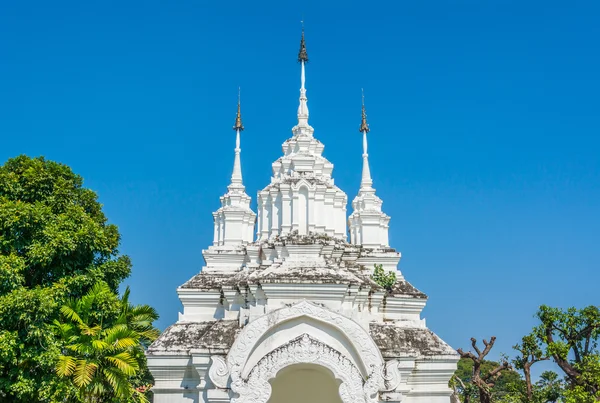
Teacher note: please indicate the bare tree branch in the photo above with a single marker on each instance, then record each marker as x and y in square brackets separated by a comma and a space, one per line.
[485, 383]
[474, 344]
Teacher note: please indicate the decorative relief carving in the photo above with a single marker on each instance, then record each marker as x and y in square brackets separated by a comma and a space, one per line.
[218, 371]
[247, 339]
[391, 376]
[302, 350]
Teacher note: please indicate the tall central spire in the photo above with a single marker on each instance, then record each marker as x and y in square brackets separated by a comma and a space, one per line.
[303, 127]
[366, 182]
[236, 176]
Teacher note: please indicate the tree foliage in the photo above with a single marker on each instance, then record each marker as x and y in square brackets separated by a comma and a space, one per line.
[104, 351]
[568, 337]
[529, 354]
[571, 338]
[55, 244]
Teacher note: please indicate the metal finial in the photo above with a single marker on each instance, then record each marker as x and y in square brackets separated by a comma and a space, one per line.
[364, 127]
[238, 118]
[302, 55]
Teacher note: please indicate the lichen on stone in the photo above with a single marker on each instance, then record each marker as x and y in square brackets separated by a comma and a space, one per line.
[180, 338]
[395, 341]
[403, 288]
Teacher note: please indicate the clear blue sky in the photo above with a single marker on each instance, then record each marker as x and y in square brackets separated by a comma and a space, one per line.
[484, 143]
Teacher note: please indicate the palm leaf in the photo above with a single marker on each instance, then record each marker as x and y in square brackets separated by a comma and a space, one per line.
[141, 397]
[120, 336]
[118, 382]
[65, 365]
[79, 348]
[90, 330]
[70, 312]
[97, 387]
[84, 372]
[100, 345]
[125, 363]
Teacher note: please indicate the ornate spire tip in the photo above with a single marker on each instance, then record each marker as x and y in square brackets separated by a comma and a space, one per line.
[238, 119]
[364, 127]
[302, 55]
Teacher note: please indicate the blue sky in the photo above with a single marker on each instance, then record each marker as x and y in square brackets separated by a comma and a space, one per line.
[484, 138]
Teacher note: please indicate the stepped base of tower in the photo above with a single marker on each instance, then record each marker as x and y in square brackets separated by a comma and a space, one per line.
[298, 319]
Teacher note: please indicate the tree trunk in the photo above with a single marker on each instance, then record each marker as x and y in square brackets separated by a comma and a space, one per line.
[484, 396]
[527, 373]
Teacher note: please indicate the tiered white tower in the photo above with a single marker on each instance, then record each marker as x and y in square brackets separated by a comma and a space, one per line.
[368, 224]
[294, 316]
[302, 197]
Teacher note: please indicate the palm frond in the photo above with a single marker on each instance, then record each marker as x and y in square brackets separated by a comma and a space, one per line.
[150, 335]
[98, 386]
[143, 310]
[118, 382]
[116, 333]
[70, 312]
[90, 330]
[65, 365]
[125, 363]
[140, 397]
[84, 372]
[100, 345]
[79, 348]
[125, 297]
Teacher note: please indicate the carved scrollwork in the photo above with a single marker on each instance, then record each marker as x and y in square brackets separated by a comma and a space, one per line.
[361, 340]
[218, 371]
[391, 376]
[306, 350]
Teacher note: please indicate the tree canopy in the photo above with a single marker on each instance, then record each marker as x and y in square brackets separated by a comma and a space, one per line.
[568, 337]
[55, 245]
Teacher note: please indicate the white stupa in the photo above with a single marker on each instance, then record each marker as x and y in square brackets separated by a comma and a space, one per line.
[292, 315]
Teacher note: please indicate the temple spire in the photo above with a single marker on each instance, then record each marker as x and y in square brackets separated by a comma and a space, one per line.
[238, 119]
[236, 176]
[302, 55]
[366, 181]
[303, 107]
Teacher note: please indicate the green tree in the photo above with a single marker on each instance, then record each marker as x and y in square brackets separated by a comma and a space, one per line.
[571, 338]
[467, 391]
[548, 389]
[103, 350]
[139, 318]
[55, 243]
[529, 354]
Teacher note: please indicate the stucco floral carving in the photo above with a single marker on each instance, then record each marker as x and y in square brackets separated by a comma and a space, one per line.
[251, 334]
[302, 350]
[391, 375]
[218, 371]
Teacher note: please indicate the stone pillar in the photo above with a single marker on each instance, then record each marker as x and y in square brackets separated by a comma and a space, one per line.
[264, 225]
[329, 212]
[295, 211]
[216, 229]
[275, 212]
[311, 211]
[320, 210]
[286, 210]
[259, 202]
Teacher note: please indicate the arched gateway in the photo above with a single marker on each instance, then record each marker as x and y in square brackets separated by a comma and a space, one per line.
[303, 333]
[289, 313]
